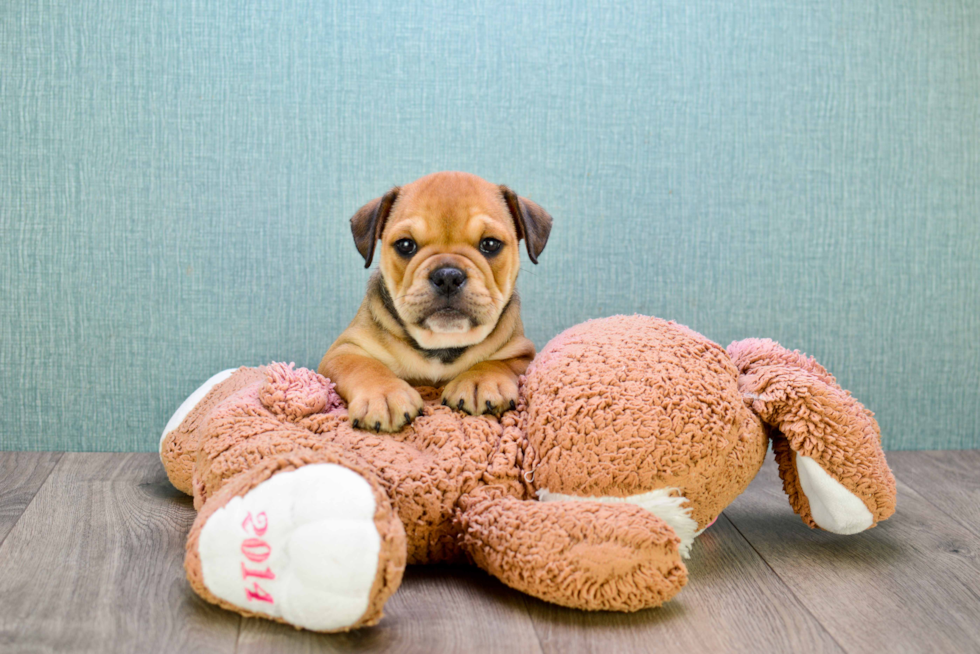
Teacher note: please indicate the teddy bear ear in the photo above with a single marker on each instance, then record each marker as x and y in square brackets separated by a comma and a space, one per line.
[368, 223]
[827, 445]
[533, 223]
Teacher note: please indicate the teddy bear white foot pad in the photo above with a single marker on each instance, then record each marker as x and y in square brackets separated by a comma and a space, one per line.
[833, 507]
[301, 546]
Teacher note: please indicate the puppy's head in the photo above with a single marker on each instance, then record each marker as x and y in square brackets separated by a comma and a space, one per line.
[448, 250]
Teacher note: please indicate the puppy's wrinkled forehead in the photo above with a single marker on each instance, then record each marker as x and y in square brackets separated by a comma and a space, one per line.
[456, 207]
[448, 206]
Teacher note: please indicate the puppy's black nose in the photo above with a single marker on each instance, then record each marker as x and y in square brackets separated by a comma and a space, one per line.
[447, 281]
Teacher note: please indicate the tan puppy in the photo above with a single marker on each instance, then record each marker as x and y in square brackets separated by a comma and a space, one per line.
[442, 308]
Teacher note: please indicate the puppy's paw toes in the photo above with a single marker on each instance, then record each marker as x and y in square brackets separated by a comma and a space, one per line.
[385, 410]
[478, 394]
[496, 396]
[506, 398]
[460, 394]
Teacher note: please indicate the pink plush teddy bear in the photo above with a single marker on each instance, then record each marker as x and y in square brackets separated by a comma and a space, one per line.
[631, 435]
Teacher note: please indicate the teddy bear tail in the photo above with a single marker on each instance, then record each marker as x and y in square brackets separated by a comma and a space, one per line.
[827, 444]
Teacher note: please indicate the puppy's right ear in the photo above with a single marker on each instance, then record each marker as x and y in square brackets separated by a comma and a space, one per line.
[532, 222]
[369, 222]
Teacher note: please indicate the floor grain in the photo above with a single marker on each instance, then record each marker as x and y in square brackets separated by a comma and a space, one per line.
[95, 564]
[21, 475]
[911, 584]
[436, 609]
[733, 602]
[949, 480]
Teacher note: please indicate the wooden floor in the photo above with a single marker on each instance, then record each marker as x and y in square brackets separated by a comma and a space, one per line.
[92, 548]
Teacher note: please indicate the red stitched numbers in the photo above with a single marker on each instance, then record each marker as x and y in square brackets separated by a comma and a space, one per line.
[256, 550]
[258, 526]
[256, 593]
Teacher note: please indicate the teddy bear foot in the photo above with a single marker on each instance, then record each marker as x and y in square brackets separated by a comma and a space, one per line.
[316, 546]
[833, 507]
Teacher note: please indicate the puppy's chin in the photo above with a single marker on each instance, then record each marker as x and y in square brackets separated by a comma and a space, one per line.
[448, 321]
[448, 328]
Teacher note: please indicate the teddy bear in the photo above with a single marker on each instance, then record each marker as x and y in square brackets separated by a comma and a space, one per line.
[630, 436]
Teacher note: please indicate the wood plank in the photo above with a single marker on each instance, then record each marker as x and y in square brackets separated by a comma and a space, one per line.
[910, 584]
[947, 479]
[21, 475]
[436, 609]
[95, 564]
[733, 602]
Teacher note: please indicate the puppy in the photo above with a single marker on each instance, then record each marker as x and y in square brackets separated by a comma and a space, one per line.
[441, 308]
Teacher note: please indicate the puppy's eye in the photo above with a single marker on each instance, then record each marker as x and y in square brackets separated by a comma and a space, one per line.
[406, 247]
[490, 246]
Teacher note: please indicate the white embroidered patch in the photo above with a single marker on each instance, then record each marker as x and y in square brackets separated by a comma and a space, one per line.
[188, 405]
[301, 546]
[833, 507]
[665, 503]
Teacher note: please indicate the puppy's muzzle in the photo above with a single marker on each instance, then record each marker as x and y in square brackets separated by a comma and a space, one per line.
[447, 281]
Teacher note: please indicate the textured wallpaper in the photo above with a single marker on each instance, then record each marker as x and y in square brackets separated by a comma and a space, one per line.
[176, 179]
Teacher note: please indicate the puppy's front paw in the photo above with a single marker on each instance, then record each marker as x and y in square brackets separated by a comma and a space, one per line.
[387, 408]
[482, 391]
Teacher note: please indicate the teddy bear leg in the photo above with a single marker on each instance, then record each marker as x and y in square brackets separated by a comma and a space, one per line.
[584, 555]
[180, 438]
[308, 539]
[192, 401]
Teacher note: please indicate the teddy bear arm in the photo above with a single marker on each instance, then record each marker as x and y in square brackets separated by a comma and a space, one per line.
[826, 444]
[823, 500]
[292, 393]
[585, 555]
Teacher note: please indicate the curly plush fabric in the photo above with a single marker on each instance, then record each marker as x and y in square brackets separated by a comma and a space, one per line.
[585, 555]
[812, 416]
[426, 467]
[638, 431]
[179, 449]
[623, 405]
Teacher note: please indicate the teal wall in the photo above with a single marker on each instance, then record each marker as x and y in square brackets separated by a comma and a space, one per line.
[176, 178]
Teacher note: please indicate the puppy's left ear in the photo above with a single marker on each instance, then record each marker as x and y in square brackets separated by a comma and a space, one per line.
[533, 223]
[369, 222]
